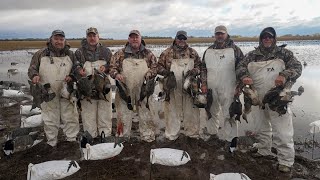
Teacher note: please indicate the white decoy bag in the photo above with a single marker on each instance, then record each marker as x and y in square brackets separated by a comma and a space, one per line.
[52, 170]
[169, 157]
[229, 176]
[101, 151]
[12, 93]
[315, 127]
[32, 121]
[25, 110]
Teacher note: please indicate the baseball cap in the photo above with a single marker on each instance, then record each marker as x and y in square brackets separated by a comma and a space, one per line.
[92, 30]
[135, 32]
[182, 33]
[58, 32]
[221, 29]
[268, 32]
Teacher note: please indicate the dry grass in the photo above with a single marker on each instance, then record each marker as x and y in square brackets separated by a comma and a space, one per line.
[16, 45]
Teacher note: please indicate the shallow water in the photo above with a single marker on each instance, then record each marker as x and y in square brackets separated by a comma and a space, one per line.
[305, 107]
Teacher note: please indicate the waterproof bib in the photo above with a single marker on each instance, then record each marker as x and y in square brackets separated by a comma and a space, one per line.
[180, 68]
[90, 66]
[134, 71]
[54, 73]
[264, 74]
[220, 67]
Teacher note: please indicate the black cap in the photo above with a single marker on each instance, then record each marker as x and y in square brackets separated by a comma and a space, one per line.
[268, 30]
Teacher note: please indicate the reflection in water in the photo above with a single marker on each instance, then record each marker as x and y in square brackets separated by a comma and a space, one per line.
[305, 107]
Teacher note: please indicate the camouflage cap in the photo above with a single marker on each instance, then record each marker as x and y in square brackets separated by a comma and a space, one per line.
[57, 32]
[182, 33]
[221, 29]
[92, 30]
[135, 32]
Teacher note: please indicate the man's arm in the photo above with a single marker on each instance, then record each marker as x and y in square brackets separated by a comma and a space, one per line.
[152, 64]
[108, 60]
[203, 69]
[197, 62]
[162, 68]
[115, 64]
[238, 55]
[33, 69]
[293, 66]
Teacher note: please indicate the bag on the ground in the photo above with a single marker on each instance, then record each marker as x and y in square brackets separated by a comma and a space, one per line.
[12, 93]
[169, 157]
[229, 176]
[101, 151]
[315, 127]
[52, 170]
[26, 110]
[32, 121]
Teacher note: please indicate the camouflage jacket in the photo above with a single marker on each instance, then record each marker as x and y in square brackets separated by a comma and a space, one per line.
[33, 69]
[126, 52]
[83, 54]
[174, 52]
[228, 44]
[293, 67]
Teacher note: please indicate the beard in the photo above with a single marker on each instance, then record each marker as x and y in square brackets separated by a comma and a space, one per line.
[220, 40]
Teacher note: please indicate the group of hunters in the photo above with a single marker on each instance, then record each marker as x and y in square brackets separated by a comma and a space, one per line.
[221, 69]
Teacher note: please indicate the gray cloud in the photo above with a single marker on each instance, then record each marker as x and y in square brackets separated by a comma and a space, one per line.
[69, 4]
[260, 5]
[218, 3]
[115, 19]
[291, 12]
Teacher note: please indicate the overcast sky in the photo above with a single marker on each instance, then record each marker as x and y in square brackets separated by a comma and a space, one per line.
[114, 19]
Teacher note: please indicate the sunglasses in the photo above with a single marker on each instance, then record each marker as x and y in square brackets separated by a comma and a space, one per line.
[219, 33]
[267, 36]
[181, 38]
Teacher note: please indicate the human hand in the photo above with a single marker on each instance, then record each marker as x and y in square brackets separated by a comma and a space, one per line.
[247, 81]
[36, 79]
[82, 72]
[102, 68]
[204, 88]
[119, 77]
[280, 80]
[67, 79]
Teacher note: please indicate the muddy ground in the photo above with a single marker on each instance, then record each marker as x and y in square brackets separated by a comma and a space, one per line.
[134, 161]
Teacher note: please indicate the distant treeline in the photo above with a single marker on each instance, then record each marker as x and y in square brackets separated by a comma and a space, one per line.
[155, 37]
[286, 35]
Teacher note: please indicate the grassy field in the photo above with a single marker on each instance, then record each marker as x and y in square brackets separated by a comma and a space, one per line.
[16, 45]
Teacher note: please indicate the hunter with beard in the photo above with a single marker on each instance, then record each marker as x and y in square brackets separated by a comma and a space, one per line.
[218, 73]
[182, 60]
[265, 67]
[97, 114]
[53, 65]
[132, 65]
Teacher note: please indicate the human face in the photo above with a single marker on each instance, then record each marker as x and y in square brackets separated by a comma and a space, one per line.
[58, 41]
[92, 39]
[134, 41]
[267, 40]
[181, 41]
[220, 37]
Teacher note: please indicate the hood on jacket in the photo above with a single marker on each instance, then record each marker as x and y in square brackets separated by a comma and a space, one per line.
[272, 32]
